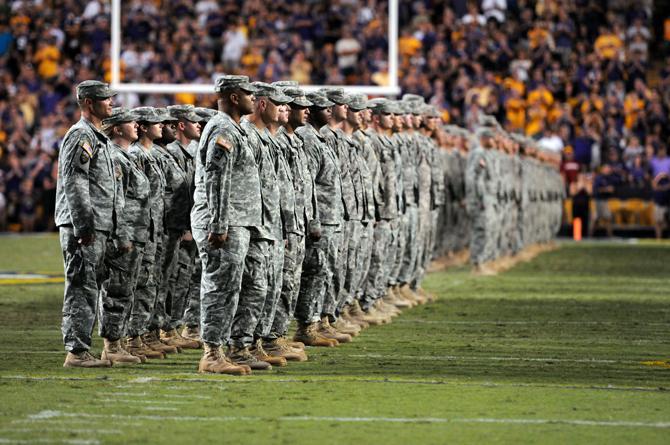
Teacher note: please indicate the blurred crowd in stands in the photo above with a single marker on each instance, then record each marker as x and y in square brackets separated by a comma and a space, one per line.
[579, 76]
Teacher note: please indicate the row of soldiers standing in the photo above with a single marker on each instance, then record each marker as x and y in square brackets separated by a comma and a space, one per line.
[189, 227]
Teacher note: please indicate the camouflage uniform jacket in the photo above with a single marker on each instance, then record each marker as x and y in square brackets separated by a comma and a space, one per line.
[289, 218]
[325, 168]
[178, 198]
[133, 199]
[227, 184]
[386, 192]
[356, 173]
[86, 188]
[150, 165]
[370, 173]
[335, 140]
[306, 208]
[259, 142]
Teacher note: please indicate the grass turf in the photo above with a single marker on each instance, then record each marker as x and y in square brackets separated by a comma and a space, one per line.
[550, 352]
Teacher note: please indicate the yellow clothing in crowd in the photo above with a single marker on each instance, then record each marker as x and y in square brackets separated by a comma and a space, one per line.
[608, 46]
[541, 96]
[408, 46]
[516, 113]
[47, 59]
[632, 107]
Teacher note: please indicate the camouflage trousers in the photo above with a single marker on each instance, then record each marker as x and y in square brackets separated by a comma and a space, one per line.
[192, 313]
[318, 270]
[424, 223]
[294, 254]
[381, 247]
[275, 262]
[409, 255]
[180, 284]
[146, 290]
[347, 262]
[168, 266]
[252, 294]
[221, 281]
[399, 237]
[493, 232]
[84, 270]
[117, 292]
[364, 257]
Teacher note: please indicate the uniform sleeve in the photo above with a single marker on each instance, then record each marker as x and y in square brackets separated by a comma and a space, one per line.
[218, 172]
[75, 156]
[123, 225]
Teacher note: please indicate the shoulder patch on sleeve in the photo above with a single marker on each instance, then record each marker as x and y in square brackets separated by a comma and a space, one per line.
[482, 163]
[224, 143]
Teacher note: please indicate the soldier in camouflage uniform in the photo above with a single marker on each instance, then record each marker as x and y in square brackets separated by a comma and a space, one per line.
[302, 221]
[85, 215]
[144, 154]
[126, 246]
[261, 280]
[191, 316]
[227, 206]
[180, 267]
[321, 254]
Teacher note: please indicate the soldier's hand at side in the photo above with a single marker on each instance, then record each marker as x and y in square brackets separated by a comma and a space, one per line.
[125, 247]
[216, 240]
[187, 236]
[315, 234]
[87, 240]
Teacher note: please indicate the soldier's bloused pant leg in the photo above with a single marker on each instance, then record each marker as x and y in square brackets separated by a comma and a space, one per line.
[145, 293]
[409, 256]
[364, 258]
[317, 274]
[377, 276]
[221, 280]
[158, 306]
[181, 283]
[294, 255]
[82, 265]
[274, 288]
[327, 303]
[351, 262]
[400, 232]
[252, 294]
[169, 262]
[117, 291]
[478, 239]
[192, 313]
[340, 271]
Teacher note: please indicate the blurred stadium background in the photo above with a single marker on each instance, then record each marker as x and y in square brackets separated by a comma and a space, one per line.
[587, 78]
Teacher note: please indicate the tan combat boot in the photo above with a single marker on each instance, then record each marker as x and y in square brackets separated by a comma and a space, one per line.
[399, 296]
[261, 354]
[391, 298]
[192, 333]
[280, 347]
[84, 360]
[136, 347]
[348, 314]
[375, 314]
[343, 326]
[116, 354]
[387, 309]
[213, 360]
[151, 340]
[430, 297]
[407, 294]
[308, 335]
[173, 338]
[367, 317]
[242, 356]
[326, 330]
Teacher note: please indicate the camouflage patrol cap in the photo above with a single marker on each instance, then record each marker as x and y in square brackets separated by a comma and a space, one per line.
[430, 111]
[119, 115]
[404, 107]
[147, 114]
[273, 93]
[165, 115]
[285, 83]
[94, 89]
[413, 98]
[184, 112]
[487, 120]
[485, 132]
[298, 95]
[336, 95]
[319, 100]
[205, 113]
[382, 106]
[358, 102]
[232, 82]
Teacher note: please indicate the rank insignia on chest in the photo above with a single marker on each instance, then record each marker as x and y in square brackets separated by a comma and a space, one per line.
[117, 172]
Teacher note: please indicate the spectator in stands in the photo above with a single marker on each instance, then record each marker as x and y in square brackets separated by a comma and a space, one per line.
[661, 196]
[660, 163]
[604, 187]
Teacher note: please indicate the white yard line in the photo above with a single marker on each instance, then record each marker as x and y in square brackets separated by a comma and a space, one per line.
[41, 428]
[491, 358]
[429, 420]
[66, 441]
[633, 323]
[144, 394]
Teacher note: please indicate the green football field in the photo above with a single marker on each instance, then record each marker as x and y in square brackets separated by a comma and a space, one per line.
[573, 347]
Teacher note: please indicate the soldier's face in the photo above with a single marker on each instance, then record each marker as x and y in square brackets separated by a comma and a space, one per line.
[102, 108]
[245, 102]
[284, 111]
[431, 123]
[416, 120]
[128, 131]
[190, 129]
[386, 121]
[354, 118]
[339, 112]
[398, 121]
[298, 116]
[169, 130]
[155, 131]
[321, 115]
[269, 110]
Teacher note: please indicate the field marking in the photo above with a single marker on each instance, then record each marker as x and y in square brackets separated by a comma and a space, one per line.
[38, 429]
[573, 422]
[67, 441]
[528, 322]
[657, 363]
[144, 394]
[384, 380]
[497, 359]
[158, 408]
[147, 402]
